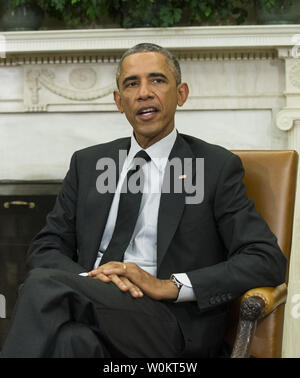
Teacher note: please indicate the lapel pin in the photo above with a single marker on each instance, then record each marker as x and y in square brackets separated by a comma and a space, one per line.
[181, 177]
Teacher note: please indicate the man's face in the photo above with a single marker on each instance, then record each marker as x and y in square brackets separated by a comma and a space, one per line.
[148, 95]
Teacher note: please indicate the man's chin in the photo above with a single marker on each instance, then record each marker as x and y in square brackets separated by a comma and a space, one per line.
[146, 130]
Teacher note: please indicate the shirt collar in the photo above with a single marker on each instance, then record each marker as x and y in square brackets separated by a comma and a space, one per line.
[158, 152]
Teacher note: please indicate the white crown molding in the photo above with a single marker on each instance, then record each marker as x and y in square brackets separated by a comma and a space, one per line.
[182, 38]
[110, 57]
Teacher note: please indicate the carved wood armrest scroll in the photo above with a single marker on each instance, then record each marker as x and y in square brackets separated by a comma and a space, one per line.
[255, 304]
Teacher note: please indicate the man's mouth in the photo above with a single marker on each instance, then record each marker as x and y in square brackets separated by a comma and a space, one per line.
[147, 113]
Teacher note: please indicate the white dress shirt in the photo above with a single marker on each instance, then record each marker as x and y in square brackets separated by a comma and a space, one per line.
[142, 249]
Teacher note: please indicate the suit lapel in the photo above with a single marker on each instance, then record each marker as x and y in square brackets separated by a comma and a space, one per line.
[98, 205]
[172, 203]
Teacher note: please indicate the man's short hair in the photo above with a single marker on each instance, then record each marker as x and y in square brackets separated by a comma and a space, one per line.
[151, 47]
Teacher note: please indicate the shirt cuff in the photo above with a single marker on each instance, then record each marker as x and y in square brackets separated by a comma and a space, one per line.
[186, 293]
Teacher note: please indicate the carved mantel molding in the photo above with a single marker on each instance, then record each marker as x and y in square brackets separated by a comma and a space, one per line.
[73, 70]
[287, 117]
[106, 45]
[181, 38]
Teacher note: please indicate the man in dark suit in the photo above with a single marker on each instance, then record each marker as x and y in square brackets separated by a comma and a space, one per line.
[165, 291]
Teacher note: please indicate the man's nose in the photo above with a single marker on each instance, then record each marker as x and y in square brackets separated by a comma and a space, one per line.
[144, 91]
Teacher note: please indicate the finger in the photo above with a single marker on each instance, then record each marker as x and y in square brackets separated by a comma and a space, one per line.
[126, 285]
[96, 271]
[100, 276]
[134, 290]
[118, 268]
[93, 273]
[119, 282]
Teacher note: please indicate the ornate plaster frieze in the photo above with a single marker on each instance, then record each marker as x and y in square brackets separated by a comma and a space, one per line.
[229, 42]
[290, 114]
[206, 55]
[71, 58]
[82, 79]
[294, 74]
[69, 70]
[80, 86]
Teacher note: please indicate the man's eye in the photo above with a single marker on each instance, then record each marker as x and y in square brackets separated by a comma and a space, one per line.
[131, 84]
[158, 81]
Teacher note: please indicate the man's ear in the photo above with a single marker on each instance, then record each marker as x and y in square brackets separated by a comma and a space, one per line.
[117, 98]
[182, 93]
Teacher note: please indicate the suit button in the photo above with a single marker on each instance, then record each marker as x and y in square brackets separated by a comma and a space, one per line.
[212, 301]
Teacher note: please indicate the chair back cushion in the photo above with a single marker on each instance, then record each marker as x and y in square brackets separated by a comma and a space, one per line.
[270, 179]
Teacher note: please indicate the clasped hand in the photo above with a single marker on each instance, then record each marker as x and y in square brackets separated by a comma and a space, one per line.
[130, 277]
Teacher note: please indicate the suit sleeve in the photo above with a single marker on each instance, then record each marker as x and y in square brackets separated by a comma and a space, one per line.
[55, 245]
[253, 258]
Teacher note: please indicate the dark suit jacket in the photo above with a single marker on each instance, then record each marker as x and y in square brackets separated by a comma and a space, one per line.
[222, 243]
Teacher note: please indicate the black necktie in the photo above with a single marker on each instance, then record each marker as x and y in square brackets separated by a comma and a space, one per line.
[128, 211]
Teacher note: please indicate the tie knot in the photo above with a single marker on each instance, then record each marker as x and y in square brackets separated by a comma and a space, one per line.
[142, 155]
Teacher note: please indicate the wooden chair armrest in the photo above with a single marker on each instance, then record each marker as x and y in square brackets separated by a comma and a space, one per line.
[272, 297]
[255, 304]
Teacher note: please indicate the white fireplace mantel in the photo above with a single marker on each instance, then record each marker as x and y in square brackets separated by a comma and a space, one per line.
[180, 38]
[49, 66]
[56, 97]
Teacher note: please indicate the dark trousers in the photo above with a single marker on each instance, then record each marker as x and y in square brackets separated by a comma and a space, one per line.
[61, 314]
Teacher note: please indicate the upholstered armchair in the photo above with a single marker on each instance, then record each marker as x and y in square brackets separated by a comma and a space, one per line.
[257, 318]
